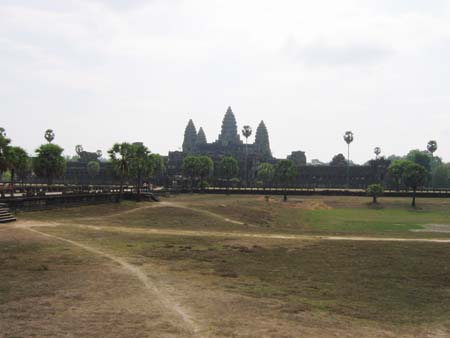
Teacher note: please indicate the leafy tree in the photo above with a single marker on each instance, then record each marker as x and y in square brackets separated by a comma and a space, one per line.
[285, 174]
[120, 155]
[158, 164]
[205, 167]
[396, 170]
[19, 163]
[4, 146]
[422, 158]
[49, 162]
[338, 161]
[375, 190]
[441, 176]
[228, 169]
[414, 176]
[190, 166]
[198, 168]
[265, 173]
[93, 168]
[141, 164]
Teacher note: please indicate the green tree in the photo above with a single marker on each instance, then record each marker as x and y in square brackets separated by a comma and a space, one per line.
[19, 163]
[228, 169]
[414, 176]
[285, 174]
[4, 147]
[190, 166]
[198, 168]
[93, 169]
[441, 176]
[338, 161]
[142, 165]
[49, 162]
[120, 155]
[396, 170]
[422, 158]
[265, 173]
[158, 165]
[205, 169]
[375, 190]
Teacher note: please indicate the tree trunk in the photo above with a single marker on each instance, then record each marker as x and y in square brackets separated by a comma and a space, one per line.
[413, 204]
[139, 187]
[121, 188]
[374, 201]
[12, 182]
[285, 195]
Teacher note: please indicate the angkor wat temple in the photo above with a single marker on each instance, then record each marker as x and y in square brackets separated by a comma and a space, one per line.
[229, 143]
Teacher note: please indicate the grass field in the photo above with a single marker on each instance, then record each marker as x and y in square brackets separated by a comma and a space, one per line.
[229, 266]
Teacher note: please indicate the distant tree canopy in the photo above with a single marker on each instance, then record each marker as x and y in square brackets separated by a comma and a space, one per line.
[338, 161]
[228, 168]
[441, 176]
[4, 146]
[49, 162]
[396, 170]
[198, 168]
[120, 155]
[19, 163]
[422, 158]
[265, 173]
[285, 174]
[414, 176]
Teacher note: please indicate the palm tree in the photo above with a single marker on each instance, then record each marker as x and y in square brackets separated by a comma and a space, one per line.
[246, 132]
[432, 147]
[49, 135]
[348, 138]
[120, 155]
[377, 152]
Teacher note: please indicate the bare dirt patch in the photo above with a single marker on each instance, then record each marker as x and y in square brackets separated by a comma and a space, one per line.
[434, 228]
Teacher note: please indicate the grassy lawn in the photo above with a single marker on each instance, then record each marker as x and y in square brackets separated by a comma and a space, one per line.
[401, 287]
[393, 283]
[393, 217]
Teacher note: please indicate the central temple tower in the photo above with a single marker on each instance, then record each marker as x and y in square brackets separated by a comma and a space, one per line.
[229, 133]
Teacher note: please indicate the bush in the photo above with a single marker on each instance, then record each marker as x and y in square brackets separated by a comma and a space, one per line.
[375, 190]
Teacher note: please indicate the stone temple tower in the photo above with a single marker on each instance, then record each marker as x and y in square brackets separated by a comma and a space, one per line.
[201, 137]
[262, 143]
[190, 138]
[229, 133]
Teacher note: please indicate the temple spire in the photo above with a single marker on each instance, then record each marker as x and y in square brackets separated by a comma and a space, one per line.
[201, 137]
[190, 137]
[229, 133]
[262, 140]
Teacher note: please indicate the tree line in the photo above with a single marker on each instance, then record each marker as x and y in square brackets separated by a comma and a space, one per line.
[131, 161]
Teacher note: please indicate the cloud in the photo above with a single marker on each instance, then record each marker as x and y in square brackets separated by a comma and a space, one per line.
[322, 53]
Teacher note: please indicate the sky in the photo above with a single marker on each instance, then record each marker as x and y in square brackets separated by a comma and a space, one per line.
[99, 72]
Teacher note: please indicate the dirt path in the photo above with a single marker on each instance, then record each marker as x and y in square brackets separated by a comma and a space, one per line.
[164, 299]
[199, 233]
[205, 212]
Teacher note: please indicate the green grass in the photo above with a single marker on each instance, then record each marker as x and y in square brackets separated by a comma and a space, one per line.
[333, 216]
[372, 220]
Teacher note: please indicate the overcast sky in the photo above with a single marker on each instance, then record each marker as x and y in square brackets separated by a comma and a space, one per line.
[104, 71]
